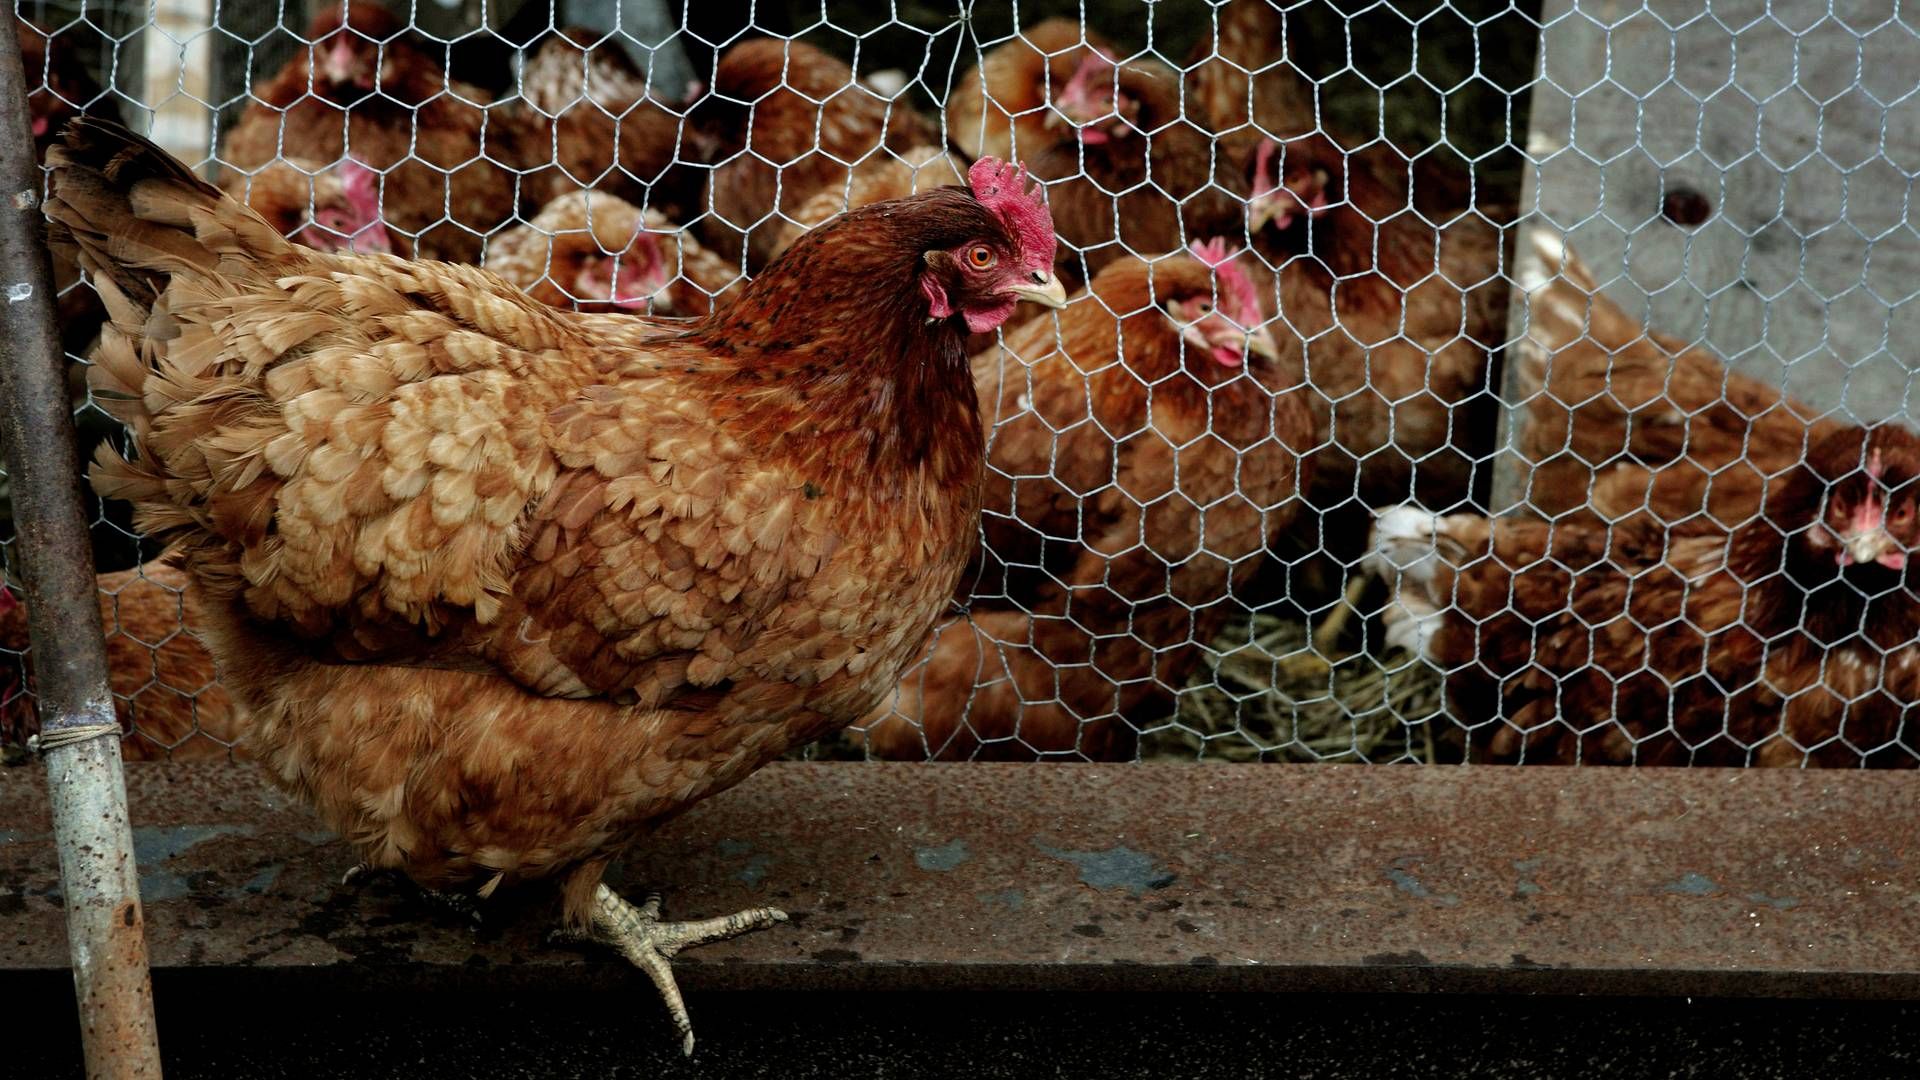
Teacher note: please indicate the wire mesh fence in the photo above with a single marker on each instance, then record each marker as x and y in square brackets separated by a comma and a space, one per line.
[1351, 278]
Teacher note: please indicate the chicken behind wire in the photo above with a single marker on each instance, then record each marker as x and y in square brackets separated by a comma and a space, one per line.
[505, 587]
[1791, 639]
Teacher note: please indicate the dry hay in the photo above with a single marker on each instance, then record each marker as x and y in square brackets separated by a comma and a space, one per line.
[1259, 697]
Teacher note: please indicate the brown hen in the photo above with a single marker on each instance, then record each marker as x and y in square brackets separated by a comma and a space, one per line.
[364, 89]
[592, 122]
[1621, 418]
[1126, 172]
[1142, 455]
[783, 122]
[165, 691]
[591, 251]
[505, 587]
[1791, 640]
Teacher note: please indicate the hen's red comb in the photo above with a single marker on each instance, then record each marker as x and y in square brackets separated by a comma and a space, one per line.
[1002, 189]
[1236, 285]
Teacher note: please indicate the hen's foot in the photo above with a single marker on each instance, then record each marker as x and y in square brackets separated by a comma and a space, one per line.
[459, 905]
[650, 944]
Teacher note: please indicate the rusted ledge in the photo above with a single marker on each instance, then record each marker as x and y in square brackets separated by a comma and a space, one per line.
[1165, 877]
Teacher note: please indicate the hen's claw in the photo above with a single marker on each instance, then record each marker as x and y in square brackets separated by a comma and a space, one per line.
[650, 945]
[460, 905]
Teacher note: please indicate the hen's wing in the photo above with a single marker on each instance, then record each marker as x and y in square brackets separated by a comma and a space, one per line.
[401, 460]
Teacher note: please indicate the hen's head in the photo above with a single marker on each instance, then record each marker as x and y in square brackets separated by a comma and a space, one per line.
[357, 48]
[625, 279]
[1292, 181]
[327, 209]
[1868, 515]
[1095, 103]
[1219, 313]
[980, 265]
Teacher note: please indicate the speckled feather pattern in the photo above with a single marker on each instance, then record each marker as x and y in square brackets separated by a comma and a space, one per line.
[785, 121]
[505, 586]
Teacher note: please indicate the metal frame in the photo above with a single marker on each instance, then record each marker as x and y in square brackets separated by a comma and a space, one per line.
[79, 732]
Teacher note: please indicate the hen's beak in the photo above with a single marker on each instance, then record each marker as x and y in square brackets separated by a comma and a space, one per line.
[1044, 289]
[1871, 546]
[1260, 343]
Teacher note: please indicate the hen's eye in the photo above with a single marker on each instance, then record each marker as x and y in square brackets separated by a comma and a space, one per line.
[980, 258]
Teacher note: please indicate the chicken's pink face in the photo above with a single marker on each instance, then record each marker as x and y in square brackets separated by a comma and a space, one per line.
[630, 281]
[1290, 182]
[346, 213]
[1091, 104]
[1869, 515]
[985, 278]
[346, 66]
[1224, 323]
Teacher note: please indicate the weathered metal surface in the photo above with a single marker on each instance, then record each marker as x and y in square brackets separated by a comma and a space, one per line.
[1684, 882]
[88, 806]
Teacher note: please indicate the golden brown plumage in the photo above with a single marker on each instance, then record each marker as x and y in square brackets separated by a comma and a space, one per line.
[165, 690]
[592, 122]
[1621, 418]
[1789, 640]
[366, 89]
[504, 587]
[591, 251]
[1002, 106]
[1136, 474]
[1242, 81]
[784, 121]
[326, 207]
[1399, 319]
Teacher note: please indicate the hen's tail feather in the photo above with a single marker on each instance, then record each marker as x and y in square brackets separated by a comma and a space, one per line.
[155, 239]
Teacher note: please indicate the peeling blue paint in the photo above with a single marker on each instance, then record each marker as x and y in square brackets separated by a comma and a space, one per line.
[1693, 885]
[1014, 899]
[755, 871]
[158, 843]
[1778, 903]
[1400, 873]
[942, 858]
[1114, 868]
[1526, 886]
[263, 880]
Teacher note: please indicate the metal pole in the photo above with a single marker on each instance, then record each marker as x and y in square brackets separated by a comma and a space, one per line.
[79, 734]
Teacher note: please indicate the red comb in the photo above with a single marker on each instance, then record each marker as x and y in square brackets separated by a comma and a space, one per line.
[1002, 189]
[1235, 284]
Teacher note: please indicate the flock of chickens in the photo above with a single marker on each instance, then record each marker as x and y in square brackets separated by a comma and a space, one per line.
[1271, 334]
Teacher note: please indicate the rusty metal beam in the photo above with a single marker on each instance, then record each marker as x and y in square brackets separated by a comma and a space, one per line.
[1704, 883]
[79, 733]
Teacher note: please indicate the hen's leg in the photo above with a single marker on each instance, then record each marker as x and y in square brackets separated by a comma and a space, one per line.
[650, 944]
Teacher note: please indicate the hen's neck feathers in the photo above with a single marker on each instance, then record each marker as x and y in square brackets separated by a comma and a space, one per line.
[831, 347]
